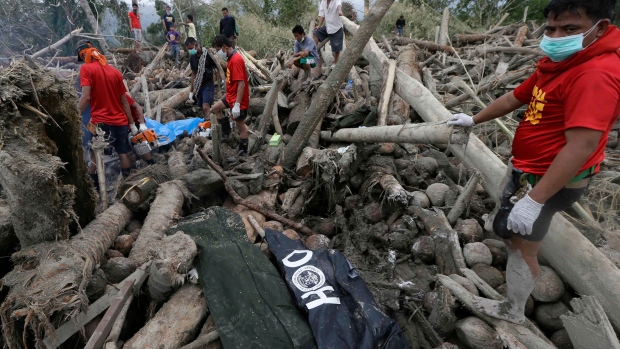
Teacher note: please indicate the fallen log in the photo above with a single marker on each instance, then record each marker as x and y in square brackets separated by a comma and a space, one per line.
[166, 208]
[155, 95]
[429, 46]
[430, 133]
[175, 100]
[202, 340]
[467, 39]
[443, 28]
[148, 70]
[523, 334]
[33, 283]
[386, 93]
[322, 99]
[590, 272]
[57, 44]
[406, 62]
[587, 325]
[186, 309]
[8, 239]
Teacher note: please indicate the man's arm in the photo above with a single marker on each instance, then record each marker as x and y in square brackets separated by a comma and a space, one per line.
[240, 90]
[500, 107]
[127, 109]
[163, 22]
[191, 81]
[140, 112]
[84, 99]
[339, 8]
[580, 144]
[221, 26]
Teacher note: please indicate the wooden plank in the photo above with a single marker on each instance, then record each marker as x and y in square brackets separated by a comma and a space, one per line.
[98, 338]
[588, 326]
[72, 326]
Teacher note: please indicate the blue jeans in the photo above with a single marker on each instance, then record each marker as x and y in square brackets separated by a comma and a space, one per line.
[400, 31]
[174, 51]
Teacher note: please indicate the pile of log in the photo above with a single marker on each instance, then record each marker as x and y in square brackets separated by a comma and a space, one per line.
[406, 199]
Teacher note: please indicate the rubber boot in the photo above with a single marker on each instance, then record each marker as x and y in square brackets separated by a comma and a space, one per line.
[125, 172]
[243, 147]
[520, 282]
[95, 179]
[225, 123]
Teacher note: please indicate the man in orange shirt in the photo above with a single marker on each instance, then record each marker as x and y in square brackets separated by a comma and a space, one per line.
[136, 27]
[237, 92]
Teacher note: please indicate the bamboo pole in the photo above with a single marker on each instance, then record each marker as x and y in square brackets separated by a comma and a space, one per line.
[57, 44]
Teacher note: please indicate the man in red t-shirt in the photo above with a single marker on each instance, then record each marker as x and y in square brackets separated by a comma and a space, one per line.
[574, 100]
[103, 88]
[237, 92]
[136, 27]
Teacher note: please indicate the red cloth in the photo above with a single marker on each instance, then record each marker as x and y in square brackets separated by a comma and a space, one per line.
[581, 91]
[106, 89]
[135, 20]
[235, 72]
[134, 111]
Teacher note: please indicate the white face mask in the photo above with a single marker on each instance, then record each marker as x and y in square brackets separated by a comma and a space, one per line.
[303, 39]
[222, 54]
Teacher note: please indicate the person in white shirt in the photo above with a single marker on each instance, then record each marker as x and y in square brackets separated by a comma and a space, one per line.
[330, 12]
[191, 28]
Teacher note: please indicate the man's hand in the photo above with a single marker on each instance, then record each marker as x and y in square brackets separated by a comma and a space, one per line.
[316, 27]
[191, 97]
[523, 215]
[340, 13]
[290, 64]
[134, 129]
[236, 111]
[143, 128]
[461, 119]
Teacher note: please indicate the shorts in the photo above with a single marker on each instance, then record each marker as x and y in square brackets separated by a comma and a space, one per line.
[137, 34]
[206, 95]
[400, 31]
[308, 60]
[244, 113]
[559, 202]
[117, 137]
[335, 39]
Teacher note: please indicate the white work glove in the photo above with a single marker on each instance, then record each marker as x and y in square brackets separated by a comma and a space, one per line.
[523, 215]
[134, 129]
[191, 97]
[236, 111]
[143, 128]
[461, 119]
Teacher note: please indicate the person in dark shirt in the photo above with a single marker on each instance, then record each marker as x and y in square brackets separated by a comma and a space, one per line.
[400, 26]
[167, 19]
[202, 85]
[228, 26]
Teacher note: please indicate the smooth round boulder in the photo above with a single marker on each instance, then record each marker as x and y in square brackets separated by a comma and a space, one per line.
[549, 286]
[547, 316]
[273, 225]
[490, 275]
[349, 108]
[498, 251]
[468, 230]
[419, 198]
[317, 242]
[428, 301]
[561, 339]
[436, 193]
[291, 234]
[477, 253]
[424, 249]
[476, 334]
[373, 213]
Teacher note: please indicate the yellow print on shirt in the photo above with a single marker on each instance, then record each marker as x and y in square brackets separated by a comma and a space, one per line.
[537, 104]
[227, 75]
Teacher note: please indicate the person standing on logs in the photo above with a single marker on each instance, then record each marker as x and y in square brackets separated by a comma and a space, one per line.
[574, 99]
[399, 27]
[167, 20]
[201, 81]
[330, 12]
[228, 26]
[237, 92]
[305, 54]
[136, 27]
[103, 89]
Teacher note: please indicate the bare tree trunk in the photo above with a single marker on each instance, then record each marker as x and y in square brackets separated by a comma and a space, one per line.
[175, 100]
[57, 44]
[93, 23]
[407, 63]
[414, 133]
[326, 92]
[386, 93]
[445, 22]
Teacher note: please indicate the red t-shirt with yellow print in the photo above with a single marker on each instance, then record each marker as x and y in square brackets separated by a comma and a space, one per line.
[581, 91]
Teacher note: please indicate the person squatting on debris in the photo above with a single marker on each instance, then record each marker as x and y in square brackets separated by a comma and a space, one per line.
[191, 28]
[305, 53]
[174, 37]
[103, 89]
[228, 26]
[237, 92]
[136, 27]
[202, 76]
[399, 27]
[167, 19]
[137, 115]
[574, 99]
[329, 12]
